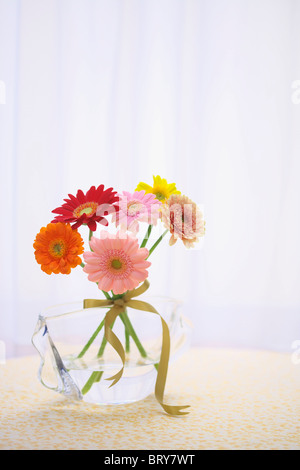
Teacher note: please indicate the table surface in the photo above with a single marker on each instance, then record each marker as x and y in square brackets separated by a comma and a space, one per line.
[240, 399]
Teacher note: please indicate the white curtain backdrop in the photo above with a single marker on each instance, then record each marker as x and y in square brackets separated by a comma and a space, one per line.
[203, 93]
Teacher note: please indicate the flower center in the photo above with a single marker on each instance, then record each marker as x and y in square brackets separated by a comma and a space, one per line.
[57, 248]
[133, 208]
[88, 208]
[116, 264]
[160, 196]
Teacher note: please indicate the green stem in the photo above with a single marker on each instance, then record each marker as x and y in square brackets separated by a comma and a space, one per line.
[127, 340]
[95, 377]
[90, 236]
[95, 334]
[129, 331]
[102, 347]
[106, 294]
[128, 325]
[157, 242]
[144, 242]
[90, 341]
[103, 344]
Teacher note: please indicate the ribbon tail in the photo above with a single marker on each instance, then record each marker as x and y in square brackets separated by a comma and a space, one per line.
[163, 362]
[116, 377]
[113, 340]
[162, 374]
[175, 410]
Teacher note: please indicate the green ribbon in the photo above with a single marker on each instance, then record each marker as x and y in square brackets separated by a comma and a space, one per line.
[117, 307]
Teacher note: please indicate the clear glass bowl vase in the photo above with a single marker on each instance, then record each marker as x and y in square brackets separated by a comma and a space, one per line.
[76, 360]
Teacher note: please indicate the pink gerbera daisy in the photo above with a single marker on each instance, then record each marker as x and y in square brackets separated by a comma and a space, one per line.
[116, 263]
[136, 207]
[184, 219]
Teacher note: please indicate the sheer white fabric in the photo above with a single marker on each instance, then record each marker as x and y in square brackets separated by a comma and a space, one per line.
[200, 92]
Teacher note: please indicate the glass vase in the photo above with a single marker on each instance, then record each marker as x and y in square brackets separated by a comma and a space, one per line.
[76, 360]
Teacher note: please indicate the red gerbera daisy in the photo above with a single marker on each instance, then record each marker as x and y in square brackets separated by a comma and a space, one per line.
[82, 209]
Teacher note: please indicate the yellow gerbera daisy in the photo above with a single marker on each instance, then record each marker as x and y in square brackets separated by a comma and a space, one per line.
[161, 188]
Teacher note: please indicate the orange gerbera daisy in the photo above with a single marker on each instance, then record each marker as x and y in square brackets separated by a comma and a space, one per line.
[57, 247]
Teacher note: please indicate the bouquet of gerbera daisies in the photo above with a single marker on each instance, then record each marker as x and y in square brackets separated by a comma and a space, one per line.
[117, 262]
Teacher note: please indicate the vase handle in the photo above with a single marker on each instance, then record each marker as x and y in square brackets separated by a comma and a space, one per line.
[50, 356]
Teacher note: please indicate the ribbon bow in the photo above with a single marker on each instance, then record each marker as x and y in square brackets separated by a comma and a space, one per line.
[117, 307]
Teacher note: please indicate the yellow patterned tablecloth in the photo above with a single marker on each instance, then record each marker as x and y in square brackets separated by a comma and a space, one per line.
[240, 399]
